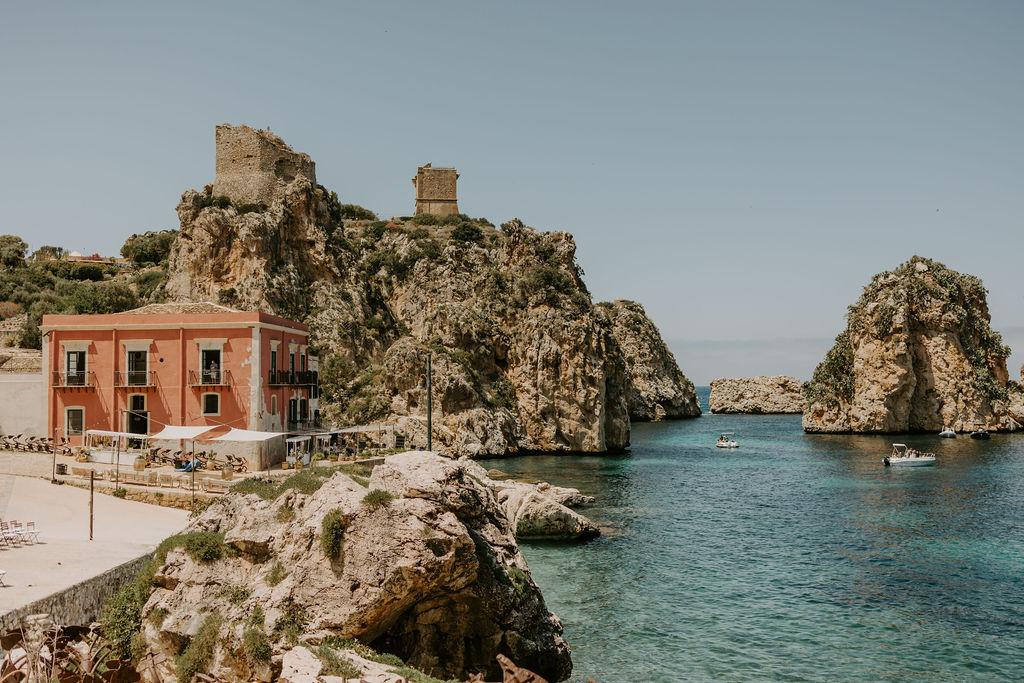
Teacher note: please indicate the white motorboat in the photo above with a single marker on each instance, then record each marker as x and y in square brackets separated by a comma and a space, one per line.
[947, 433]
[908, 457]
[726, 441]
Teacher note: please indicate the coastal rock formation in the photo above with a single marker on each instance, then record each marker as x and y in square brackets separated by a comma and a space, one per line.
[422, 565]
[658, 388]
[759, 395]
[522, 359]
[917, 353]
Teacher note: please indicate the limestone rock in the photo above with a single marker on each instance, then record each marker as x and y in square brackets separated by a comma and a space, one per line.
[658, 389]
[918, 353]
[522, 360]
[759, 395]
[434, 576]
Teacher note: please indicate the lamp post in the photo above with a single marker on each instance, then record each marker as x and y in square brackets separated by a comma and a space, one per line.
[53, 476]
[430, 426]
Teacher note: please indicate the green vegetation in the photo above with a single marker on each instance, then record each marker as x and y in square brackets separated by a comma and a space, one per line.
[220, 201]
[332, 533]
[377, 498]
[467, 232]
[335, 664]
[12, 251]
[503, 394]
[398, 667]
[292, 622]
[284, 514]
[307, 481]
[276, 574]
[122, 619]
[833, 378]
[235, 594]
[199, 652]
[119, 493]
[355, 212]
[157, 615]
[256, 645]
[242, 209]
[257, 617]
[153, 247]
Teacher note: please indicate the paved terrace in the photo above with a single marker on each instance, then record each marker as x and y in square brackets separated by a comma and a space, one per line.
[64, 555]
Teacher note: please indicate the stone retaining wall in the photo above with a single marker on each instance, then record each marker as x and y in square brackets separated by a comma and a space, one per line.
[81, 603]
[170, 498]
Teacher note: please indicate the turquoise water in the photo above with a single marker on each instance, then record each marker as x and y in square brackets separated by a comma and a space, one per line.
[792, 558]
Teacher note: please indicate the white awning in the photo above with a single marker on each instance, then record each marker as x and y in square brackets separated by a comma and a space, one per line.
[246, 435]
[297, 439]
[127, 435]
[179, 432]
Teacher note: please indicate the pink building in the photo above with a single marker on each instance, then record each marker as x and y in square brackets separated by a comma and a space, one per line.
[178, 364]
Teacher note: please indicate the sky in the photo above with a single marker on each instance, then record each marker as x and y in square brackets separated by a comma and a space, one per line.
[740, 168]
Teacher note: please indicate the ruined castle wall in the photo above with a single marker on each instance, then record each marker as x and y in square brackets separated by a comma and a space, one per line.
[435, 191]
[254, 166]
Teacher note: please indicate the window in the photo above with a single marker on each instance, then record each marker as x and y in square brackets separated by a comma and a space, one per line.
[291, 364]
[211, 404]
[303, 361]
[75, 368]
[293, 410]
[273, 366]
[303, 409]
[74, 421]
[137, 368]
[273, 405]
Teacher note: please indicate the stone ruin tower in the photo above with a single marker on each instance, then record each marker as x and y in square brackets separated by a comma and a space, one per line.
[435, 190]
[254, 166]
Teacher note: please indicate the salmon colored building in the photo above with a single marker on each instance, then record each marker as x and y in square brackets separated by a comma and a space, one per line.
[178, 364]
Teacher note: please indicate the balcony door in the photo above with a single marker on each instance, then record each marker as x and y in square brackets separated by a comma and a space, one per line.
[75, 367]
[210, 366]
[138, 366]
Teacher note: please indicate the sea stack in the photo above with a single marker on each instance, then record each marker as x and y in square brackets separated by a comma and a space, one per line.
[658, 388]
[756, 395]
[918, 352]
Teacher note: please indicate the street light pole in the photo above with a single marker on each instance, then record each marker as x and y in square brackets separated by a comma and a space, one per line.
[53, 476]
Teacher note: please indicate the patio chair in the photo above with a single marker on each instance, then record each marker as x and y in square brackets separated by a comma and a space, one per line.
[9, 534]
[30, 527]
[29, 535]
[3, 573]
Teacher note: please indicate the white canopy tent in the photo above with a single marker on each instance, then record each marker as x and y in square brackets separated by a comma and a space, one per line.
[260, 449]
[180, 433]
[103, 445]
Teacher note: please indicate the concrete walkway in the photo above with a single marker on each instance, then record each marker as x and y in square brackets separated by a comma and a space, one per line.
[123, 530]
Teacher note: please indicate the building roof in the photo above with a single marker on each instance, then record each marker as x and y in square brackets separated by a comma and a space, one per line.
[181, 308]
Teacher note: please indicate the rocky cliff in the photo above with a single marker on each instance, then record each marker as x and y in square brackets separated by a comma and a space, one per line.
[657, 387]
[522, 360]
[918, 352]
[759, 395]
[421, 565]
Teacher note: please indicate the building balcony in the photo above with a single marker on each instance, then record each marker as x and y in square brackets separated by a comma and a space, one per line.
[288, 378]
[135, 379]
[74, 380]
[213, 379]
[303, 425]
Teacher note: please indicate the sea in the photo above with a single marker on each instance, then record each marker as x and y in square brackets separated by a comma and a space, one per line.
[795, 557]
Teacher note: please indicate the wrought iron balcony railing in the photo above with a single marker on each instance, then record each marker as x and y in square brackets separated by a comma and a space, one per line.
[209, 378]
[287, 377]
[78, 379]
[135, 378]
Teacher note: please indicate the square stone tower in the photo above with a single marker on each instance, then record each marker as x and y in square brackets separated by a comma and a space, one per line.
[254, 166]
[435, 190]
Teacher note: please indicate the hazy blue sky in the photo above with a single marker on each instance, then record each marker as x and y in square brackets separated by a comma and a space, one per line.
[740, 168]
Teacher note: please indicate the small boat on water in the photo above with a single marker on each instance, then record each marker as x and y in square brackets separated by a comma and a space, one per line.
[909, 457]
[947, 433]
[980, 433]
[726, 441]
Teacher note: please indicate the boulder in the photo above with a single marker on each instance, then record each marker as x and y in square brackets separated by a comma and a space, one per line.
[426, 569]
